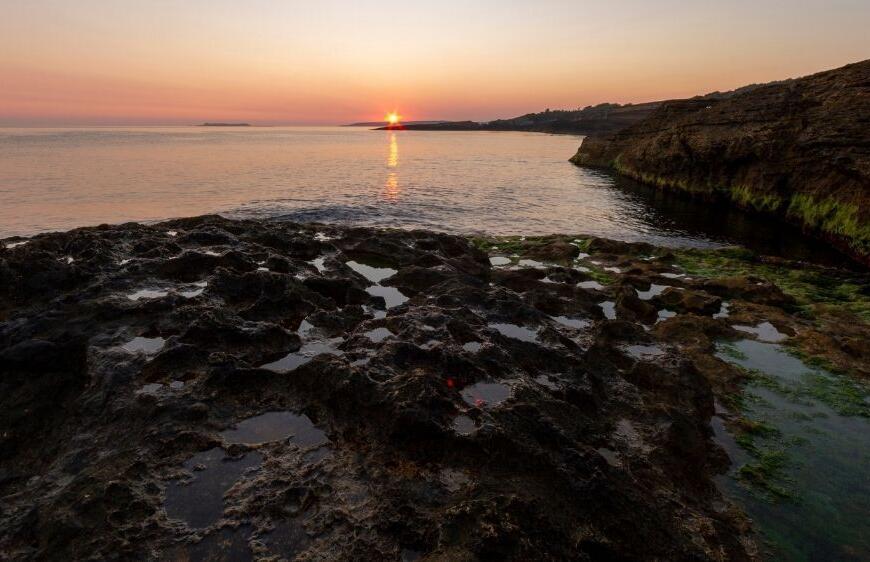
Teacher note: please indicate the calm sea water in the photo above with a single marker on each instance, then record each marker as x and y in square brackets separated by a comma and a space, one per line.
[494, 182]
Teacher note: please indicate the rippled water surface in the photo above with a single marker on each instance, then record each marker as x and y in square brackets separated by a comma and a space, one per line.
[495, 182]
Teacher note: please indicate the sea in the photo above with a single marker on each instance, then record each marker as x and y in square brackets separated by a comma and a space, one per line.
[467, 182]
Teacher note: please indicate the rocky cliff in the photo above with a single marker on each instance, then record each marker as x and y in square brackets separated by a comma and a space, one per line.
[798, 149]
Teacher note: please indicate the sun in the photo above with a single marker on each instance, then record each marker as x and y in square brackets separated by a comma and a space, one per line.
[393, 118]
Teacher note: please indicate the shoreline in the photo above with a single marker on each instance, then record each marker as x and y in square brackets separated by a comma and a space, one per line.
[794, 151]
[495, 379]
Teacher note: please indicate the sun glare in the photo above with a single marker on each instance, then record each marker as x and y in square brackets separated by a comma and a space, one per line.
[393, 118]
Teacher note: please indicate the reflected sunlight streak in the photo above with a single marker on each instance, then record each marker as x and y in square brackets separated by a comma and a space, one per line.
[391, 188]
[393, 158]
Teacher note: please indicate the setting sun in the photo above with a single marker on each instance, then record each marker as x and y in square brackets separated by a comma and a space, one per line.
[393, 118]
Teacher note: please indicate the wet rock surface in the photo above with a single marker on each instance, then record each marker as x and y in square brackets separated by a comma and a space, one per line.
[460, 411]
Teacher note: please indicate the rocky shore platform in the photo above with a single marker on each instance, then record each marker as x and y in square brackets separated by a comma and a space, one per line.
[210, 389]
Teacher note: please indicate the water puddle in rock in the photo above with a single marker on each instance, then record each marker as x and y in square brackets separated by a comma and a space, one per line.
[463, 425]
[499, 261]
[148, 346]
[590, 285]
[546, 381]
[609, 309]
[672, 275]
[145, 294]
[361, 362]
[486, 394]
[371, 273]
[151, 389]
[613, 269]
[11, 245]
[306, 354]
[653, 291]
[191, 293]
[803, 475]
[664, 314]
[765, 332]
[576, 323]
[304, 328]
[391, 295]
[312, 346]
[531, 263]
[276, 426]
[724, 311]
[321, 237]
[379, 334]
[199, 500]
[172, 233]
[378, 314]
[644, 352]
[472, 346]
[318, 263]
[516, 332]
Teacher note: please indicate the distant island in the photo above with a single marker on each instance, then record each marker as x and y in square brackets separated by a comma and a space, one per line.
[225, 125]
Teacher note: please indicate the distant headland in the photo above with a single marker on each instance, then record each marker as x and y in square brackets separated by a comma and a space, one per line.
[225, 125]
[604, 118]
[384, 124]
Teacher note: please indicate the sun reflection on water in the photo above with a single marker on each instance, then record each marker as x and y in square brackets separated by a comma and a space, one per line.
[393, 158]
[391, 188]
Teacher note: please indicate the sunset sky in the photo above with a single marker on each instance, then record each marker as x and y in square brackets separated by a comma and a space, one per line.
[69, 62]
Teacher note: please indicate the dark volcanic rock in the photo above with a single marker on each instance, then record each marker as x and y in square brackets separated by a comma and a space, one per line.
[164, 397]
[798, 149]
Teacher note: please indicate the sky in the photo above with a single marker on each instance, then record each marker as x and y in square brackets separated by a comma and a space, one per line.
[125, 62]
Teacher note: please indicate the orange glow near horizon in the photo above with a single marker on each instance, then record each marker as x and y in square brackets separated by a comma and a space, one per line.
[92, 62]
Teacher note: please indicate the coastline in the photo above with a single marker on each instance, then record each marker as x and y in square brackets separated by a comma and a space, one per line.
[794, 151]
[488, 377]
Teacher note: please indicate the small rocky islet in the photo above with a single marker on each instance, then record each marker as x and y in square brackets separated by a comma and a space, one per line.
[212, 389]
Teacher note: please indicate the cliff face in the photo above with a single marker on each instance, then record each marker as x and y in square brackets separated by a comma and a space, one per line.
[798, 149]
